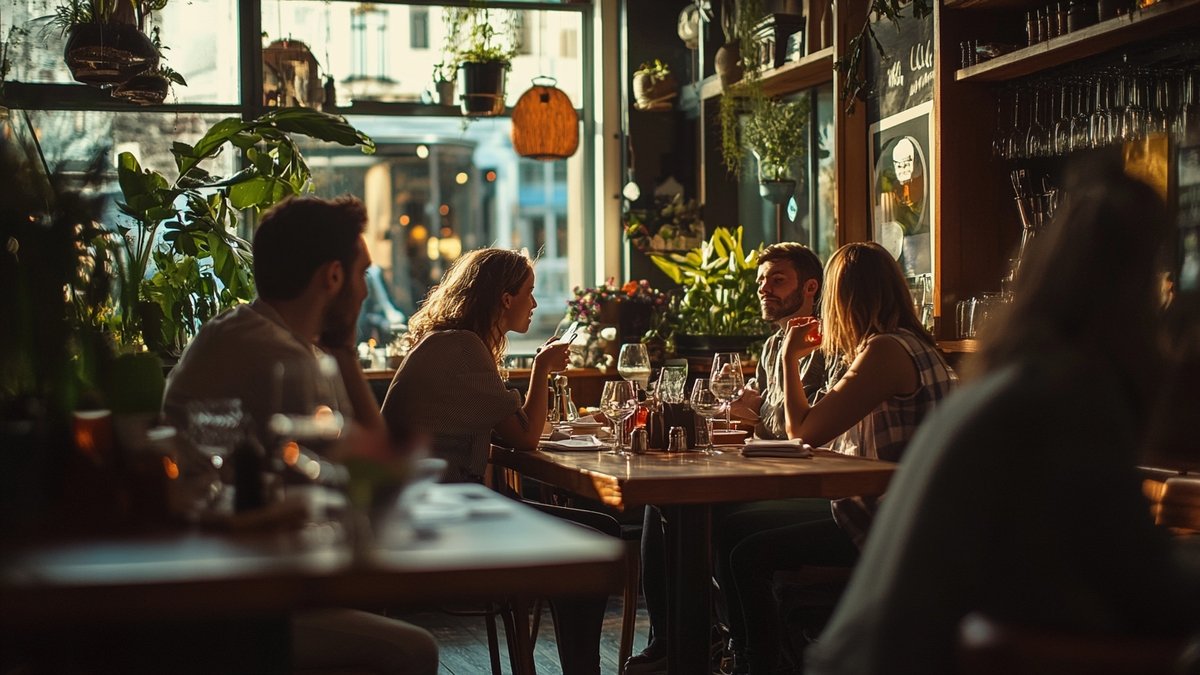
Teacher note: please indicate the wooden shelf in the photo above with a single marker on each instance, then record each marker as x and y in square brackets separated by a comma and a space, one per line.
[1157, 20]
[810, 71]
[958, 346]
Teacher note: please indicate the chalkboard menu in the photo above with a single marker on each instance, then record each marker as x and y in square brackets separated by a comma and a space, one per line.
[906, 80]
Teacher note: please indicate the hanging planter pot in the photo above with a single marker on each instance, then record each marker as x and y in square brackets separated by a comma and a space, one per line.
[774, 182]
[482, 86]
[728, 64]
[145, 89]
[545, 125]
[103, 54]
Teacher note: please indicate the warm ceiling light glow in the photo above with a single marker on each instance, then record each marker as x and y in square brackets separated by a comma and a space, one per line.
[291, 453]
[170, 468]
[444, 209]
[418, 233]
[423, 151]
[450, 247]
[490, 176]
[431, 248]
[461, 178]
[405, 220]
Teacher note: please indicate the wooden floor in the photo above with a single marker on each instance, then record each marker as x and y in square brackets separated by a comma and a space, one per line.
[462, 641]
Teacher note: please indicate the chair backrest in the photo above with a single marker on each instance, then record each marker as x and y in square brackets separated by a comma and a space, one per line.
[988, 647]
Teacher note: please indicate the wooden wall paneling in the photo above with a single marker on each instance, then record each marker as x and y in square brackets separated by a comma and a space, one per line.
[852, 208]
[978, 227]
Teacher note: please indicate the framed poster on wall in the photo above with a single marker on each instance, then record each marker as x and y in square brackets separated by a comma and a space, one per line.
[902, 185]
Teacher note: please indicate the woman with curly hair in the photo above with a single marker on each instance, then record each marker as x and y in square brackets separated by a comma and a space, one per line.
[450, 384]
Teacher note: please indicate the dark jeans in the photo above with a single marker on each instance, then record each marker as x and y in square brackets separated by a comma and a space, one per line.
[654, 578]
[756, 541]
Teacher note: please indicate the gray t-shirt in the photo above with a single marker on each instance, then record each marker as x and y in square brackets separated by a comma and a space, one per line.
[249, 353]
[449, 387]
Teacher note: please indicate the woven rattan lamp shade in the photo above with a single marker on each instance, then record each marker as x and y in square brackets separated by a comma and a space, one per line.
[544, 123]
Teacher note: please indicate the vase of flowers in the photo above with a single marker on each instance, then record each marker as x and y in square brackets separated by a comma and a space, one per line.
[611, 315]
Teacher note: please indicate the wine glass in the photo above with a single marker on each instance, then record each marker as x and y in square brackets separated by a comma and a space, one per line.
[671, 382]
[726, 379]
[305, 418]
[633, 364]
[707, 405]
[618, 402]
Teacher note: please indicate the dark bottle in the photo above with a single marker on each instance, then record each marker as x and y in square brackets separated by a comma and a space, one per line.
[1031, 28]
[1043, 16]
[1061, 9]
[1053, 29]
[1106, 9]
[248, 491]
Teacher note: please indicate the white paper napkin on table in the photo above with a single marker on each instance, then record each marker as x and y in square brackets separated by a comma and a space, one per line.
[794, 448]
[576, 443]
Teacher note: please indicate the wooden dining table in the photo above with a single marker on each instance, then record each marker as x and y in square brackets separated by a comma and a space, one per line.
[686, 486]
[475, 546]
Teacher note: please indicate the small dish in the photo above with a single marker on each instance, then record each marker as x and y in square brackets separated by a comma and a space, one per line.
[585, 427]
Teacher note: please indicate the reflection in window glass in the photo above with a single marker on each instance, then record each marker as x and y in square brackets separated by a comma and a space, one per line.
[387, 52]
[200, 36]
[433, 190]
[824, 236]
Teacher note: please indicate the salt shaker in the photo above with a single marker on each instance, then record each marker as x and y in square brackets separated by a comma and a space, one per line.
[677, 440]
[639, 441]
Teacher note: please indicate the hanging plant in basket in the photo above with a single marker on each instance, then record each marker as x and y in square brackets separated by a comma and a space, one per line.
[482, 42]
[152, 86]
[105, 43]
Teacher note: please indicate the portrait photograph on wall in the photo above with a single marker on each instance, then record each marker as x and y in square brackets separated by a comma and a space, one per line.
[902, 189]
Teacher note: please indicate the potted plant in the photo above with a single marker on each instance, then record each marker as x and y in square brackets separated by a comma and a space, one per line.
[170, 284]
[482, 43]
[105, 43]
[739, 54]
[719, 310]
[653, 86]
[775, 133]
[443, 81]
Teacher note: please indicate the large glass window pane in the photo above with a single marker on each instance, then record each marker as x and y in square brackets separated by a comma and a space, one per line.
[374, 53]
[434, 189]
[200, 37]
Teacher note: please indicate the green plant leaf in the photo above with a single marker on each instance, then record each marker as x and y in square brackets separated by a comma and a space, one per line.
[251, 192]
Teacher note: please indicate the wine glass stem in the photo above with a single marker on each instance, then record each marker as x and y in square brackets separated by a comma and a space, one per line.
[619, 428]
[728, 405]
[708, 424]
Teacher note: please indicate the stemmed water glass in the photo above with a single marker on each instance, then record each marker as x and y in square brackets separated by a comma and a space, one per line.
[706, 404]
[633, 364]
[618, 402]
[671, 381]
[215, 427]
[726, 379]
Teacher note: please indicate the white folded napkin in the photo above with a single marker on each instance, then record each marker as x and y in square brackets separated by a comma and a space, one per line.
[578, 443]
[794, 448]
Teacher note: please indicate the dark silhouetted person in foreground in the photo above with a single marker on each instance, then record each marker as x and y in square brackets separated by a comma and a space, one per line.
[1019, 498]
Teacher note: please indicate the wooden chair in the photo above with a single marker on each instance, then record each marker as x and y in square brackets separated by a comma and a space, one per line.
[988, 647]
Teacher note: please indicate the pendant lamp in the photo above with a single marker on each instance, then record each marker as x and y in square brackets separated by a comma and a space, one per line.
[545, 125]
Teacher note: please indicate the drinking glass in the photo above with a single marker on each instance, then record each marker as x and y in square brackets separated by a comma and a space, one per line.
[726, 379]
[215, 427]
[671, 382]
[618, 402]
[707, 405]
[633, 363]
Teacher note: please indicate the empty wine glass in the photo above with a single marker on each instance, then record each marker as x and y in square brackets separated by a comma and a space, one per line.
[726, 379]
[618, 402]
[706, 404]
[633, 364]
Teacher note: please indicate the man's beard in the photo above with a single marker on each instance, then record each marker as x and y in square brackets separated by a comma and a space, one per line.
[339, 312]
[787, 306]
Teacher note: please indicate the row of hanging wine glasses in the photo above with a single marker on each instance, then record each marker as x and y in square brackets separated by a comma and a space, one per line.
[1109, 106]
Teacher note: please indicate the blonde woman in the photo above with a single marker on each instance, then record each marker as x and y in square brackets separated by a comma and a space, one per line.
[450, 384]
[894, 378]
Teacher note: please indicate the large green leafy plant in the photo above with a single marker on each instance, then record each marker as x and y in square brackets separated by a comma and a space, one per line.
[181, 258]
[720, 293]
[478, 34]
[775, 133]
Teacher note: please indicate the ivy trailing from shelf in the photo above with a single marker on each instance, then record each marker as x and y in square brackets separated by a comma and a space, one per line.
[854, 83]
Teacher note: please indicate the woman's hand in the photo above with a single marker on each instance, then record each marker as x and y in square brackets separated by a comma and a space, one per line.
[802, 338]
[551, 357]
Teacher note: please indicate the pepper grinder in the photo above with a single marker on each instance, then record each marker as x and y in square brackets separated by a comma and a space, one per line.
[564, 405]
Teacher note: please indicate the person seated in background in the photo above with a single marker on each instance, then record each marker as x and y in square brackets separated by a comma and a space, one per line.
[789, 284]
[309, 265]
[450, 386]
[1020, 497]
[895, 376]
